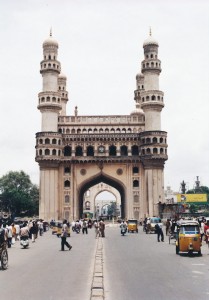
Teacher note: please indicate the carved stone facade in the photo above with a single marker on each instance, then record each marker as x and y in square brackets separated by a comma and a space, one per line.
[76, 152]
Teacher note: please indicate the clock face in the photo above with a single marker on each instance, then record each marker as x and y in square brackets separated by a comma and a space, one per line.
[101, 149]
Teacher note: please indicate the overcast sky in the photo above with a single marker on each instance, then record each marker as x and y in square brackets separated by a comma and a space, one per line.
[100, 50]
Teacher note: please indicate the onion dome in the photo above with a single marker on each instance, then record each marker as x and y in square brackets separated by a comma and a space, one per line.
[139, 76]
[62, 76]
[150, 40]
[50, 41]
[138, 110]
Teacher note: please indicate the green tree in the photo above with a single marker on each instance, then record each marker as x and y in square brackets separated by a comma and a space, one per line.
[112, 209]
[18, 195]
[193, 208]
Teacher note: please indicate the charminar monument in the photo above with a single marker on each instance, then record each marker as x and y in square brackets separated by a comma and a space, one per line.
[123, 153]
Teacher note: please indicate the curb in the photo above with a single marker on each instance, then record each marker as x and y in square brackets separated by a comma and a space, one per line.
[97, 286]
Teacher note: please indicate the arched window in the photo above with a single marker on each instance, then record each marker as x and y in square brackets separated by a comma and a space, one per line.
[135, 170]
[60, 130]
[148, 151]
[54, 141]
[47, 141]
[47, 152]
[40, 152]
[161, 140]
[79, 151]
[135, 150]
[40, 141]
[67, 151]
[153, 97]
[90, 151]
[136, 183]
[112, 150]
[67, 170]
[67, 184]
[155, 151]
[48, 99]
[67, 199]
[161, 151]
[54, 152]
[154, 140]
[148, 140]
[123, 150]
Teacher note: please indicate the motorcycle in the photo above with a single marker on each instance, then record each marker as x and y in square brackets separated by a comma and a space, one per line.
[123, 229]
[24, 241]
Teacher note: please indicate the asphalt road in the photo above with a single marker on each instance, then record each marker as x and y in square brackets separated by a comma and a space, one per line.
[44, 272]
[135, 267]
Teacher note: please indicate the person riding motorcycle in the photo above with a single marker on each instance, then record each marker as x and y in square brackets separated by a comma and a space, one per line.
[123, 227]
[24, 232]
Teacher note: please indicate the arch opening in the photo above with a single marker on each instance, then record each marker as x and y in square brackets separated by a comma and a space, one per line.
[98, 180]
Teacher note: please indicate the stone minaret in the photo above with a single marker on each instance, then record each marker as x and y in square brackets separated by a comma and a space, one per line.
[153, 140]
[48, 141]
[64, 94]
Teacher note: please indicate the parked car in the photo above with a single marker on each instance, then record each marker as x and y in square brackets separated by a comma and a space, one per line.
[151, 224]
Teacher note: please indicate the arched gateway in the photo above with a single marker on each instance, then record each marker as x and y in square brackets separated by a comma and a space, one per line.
[105, 179]
[76, 152]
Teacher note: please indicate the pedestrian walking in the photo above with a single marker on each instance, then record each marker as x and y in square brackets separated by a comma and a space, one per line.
[64, 236]
[102, 228]
[159, 230]
[85, 227]
[97, 229]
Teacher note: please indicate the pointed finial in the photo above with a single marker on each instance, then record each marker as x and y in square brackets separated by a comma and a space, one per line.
[51, 31]
[150, 31]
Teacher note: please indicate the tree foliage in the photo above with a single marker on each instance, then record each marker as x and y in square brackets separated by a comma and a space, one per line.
[112, 209]
[18, 195]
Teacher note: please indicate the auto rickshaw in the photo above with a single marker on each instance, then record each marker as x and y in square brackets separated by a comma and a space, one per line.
[59, 229]
[54, 227]
[132, 225]
[188, 237]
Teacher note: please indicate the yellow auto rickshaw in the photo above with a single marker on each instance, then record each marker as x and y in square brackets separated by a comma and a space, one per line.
[188, 237]
[132, 225]
[54, 227]
[59, 229]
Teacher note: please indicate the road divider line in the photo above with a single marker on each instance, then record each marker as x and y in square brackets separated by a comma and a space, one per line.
[97, 286]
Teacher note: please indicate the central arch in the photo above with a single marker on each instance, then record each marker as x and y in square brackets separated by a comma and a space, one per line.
[105, 179]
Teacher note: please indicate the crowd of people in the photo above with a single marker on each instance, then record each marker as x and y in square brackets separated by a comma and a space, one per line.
[85, 224]
[15, 231]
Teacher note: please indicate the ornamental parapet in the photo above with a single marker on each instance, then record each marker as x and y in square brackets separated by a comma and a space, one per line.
[104, 120]
[153, 137]
[153, 96]
[50, 65]
[101, 137]
[49, 99]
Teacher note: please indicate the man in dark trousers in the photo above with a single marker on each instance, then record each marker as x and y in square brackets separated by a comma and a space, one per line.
[159, 231]
[64, 236]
